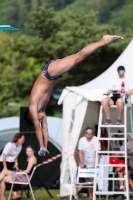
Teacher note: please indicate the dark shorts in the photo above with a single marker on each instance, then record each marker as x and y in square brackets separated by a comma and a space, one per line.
[9, 166]
[46, 74]
[115, 99]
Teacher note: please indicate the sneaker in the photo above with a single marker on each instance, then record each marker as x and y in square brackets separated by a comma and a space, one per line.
[82, 195]
[108, 121]
[119, 122]
[14, 197]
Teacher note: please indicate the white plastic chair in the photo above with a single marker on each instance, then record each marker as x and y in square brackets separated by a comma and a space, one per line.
[23, 183]
[82, 173]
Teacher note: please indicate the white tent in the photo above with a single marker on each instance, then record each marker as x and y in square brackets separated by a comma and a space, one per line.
[81, 109]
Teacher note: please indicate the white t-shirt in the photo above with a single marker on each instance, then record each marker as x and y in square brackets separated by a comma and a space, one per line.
[89, 149]
[129, 146]
[11, 151]
[116, 84]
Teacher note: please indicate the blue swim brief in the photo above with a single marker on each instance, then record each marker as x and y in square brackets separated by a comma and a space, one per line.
[46, 74]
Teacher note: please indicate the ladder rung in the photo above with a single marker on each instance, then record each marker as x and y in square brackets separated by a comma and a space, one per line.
[109, 178]
[115, 106]
[111, 165]
[120, 133]
[112, 126]
[105, 152]
[111, 156]
[103, 138]
[110, 192]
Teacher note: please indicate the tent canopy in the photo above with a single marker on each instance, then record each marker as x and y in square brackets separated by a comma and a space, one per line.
[83, 111]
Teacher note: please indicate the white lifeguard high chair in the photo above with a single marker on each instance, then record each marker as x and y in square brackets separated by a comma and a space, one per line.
[111, 128]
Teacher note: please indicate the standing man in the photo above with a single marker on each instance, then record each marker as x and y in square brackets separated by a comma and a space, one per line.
[87, 151]
[116, 87]
[45, 82]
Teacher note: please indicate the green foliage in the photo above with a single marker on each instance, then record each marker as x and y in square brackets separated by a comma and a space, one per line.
[45, 23]
[123, 17]
[107, 7]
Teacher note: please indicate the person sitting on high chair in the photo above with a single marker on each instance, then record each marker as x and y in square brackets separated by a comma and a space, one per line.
[117, 89]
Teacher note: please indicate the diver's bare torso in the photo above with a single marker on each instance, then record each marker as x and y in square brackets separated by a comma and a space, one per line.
[41, 92]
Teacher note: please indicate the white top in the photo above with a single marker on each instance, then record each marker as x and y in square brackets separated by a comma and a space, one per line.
[89, 149]
[11, 151]
[129, 146]
[116, 84]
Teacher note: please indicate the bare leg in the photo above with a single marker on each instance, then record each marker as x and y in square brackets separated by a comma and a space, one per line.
[106, 103]
[2, 186]
[121, 182]
[7, 179]
[120, 107]
[90, 193]
[65, 64]
[4, 173]
[80, 188]
[130, 181]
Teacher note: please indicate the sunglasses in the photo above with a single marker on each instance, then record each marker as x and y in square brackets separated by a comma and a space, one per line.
[121, 71]
[88, 132]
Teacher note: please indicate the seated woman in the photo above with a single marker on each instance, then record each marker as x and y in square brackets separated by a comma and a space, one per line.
[7, 176]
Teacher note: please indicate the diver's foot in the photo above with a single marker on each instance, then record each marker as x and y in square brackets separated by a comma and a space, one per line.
[112, 38]
[43, 152]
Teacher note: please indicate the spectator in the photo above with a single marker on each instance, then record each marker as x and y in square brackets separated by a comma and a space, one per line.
[7, 176]
[115, 87]
[87, 150]
[120, 170]
[9, 157]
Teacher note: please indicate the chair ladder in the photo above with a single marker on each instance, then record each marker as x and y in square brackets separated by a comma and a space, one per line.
[107, 152]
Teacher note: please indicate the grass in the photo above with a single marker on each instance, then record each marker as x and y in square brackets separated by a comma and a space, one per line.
[39, 195]
[43, 195]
